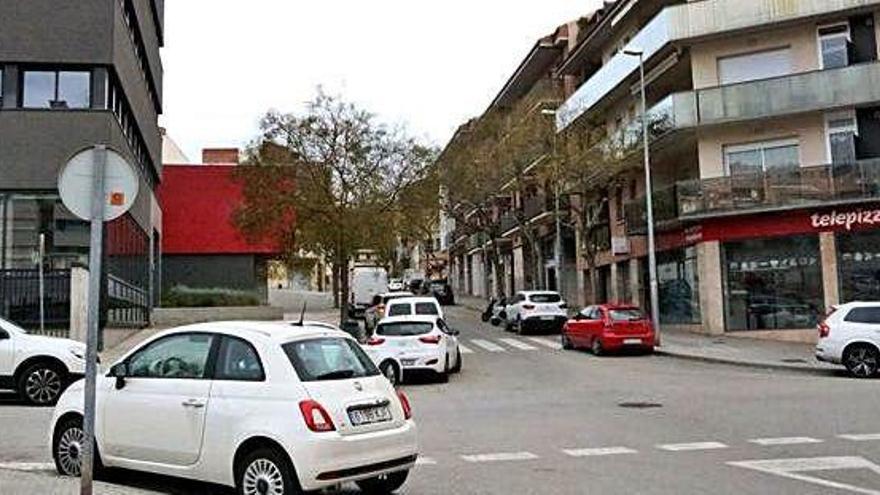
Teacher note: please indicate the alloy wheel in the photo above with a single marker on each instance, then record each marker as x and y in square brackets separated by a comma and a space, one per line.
[263, 477]
[862, 362]
[70, 450]
[43, 386]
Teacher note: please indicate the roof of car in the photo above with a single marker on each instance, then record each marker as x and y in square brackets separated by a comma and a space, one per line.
[276, 331]
[410, 318]
[538, 292]
[414, 299]
[399, 293]
[617, 306]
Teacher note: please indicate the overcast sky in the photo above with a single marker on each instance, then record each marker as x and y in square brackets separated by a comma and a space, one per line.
[430, 64]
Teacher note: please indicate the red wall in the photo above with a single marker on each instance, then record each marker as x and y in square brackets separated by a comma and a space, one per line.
[198, 203]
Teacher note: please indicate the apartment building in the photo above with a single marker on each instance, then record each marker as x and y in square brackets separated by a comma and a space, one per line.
[73, 75]
[764, 119]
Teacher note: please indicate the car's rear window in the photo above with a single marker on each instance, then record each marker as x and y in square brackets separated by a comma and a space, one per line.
[545, 298]
[328, 358]
[404, 329]
[426, 308]
[625, 315]
[400, 310]
[864, 315]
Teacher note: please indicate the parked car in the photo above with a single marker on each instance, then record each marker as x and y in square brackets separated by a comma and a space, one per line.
[376, 311]
[366, 283]
[442, 291]
[534, 311]
[38, 368]
[409, 306]
[850, 335]
[264, 407]
[415, 343]
[396, 285]
[608, 328]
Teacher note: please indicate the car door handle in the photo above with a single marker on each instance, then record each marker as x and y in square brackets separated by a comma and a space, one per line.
[194, 403]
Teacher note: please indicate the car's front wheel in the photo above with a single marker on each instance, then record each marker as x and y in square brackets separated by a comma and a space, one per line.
[41, 384]
[861, 360]
[384, 484]
[265, 471]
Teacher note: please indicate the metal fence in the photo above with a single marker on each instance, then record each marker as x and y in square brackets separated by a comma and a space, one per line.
[20, 299]
[127, 304]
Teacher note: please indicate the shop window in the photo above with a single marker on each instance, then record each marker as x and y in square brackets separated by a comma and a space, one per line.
[755, 66]
[834, 45]
[858, 264]
[56, 89]
[679, 288]
[767, 156]
[773, 284]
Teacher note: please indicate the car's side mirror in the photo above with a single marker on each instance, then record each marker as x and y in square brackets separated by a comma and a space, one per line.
[4, 335]
[120, 372]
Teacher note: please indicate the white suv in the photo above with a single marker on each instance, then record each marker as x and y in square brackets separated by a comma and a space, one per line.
[404, 344]
[850, 336]
[532, 311]
[38, 368]
[264, 407]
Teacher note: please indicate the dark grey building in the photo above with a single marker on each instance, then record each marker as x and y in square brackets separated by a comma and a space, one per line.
[72, 75]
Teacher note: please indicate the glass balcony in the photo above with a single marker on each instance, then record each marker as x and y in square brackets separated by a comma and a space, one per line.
[797, 187]
[665, 210]
[676, 111]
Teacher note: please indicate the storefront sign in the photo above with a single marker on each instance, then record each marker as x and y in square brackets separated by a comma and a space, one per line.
[847, 220]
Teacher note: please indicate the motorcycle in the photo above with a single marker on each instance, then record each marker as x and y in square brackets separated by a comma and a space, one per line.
[489, 311]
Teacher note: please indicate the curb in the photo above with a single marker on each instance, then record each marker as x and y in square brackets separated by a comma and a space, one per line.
[744, 364]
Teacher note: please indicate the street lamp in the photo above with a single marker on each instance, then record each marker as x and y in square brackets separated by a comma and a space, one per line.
[649, 198]
[557, 248]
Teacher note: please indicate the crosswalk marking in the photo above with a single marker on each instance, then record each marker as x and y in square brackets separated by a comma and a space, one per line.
[861, 437]
[465, 350]
[500, 457]
[683, 447]
[425, 461]
[784, 441]
[518, 344]
[489, 346]
[546, 342]
[595, 452]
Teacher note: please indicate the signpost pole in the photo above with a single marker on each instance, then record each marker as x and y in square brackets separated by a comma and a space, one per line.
[95, 254]
[40, 259]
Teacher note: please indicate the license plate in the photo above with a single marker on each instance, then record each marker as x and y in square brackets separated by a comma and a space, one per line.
[408, 362]
[548, 318]
[632, 342]
[361, 417]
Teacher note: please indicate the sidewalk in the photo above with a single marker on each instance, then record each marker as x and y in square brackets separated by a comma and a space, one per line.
[28, 482]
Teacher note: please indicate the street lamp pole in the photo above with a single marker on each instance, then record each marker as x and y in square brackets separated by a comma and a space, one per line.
[649, 197]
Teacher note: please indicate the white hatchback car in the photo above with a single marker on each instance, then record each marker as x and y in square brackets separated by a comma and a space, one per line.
[533, 311]
[264, 407]
[404, 344]
[850, 336]
[37, 367]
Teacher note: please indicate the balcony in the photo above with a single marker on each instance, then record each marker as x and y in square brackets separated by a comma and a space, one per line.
[688, 21]
[676, 111]
[508, 222]
[665, 210]
[536, 206]
[477, 241]
[796, 188]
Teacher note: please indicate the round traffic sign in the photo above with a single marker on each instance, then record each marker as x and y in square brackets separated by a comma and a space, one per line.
[77, 178]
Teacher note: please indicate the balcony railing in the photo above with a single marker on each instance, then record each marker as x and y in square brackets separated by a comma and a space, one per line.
[665, 210]
[804, 186]
[508, 222]
[477, 241]
[535, 206]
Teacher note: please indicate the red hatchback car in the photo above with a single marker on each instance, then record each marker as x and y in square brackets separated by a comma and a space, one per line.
[609, 327]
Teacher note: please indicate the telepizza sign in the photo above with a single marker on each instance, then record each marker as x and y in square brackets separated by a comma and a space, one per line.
[846, 220]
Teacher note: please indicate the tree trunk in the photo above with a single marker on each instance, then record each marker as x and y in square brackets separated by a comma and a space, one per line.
[334, 283]
[344, 290]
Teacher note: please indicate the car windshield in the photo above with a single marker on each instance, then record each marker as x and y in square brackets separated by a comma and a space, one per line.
[404, 329]
[545, 298]
[426, 308]
[329, 358]
[626, 315]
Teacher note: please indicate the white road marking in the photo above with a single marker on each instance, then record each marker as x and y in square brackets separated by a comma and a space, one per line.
[784, 441]
[425, 461]
[465, 350]
[489, 346]
[791, 469]
[27, 466]
[518, 344]
[500, 457]
[546, 342]
[861, 437]
[599, 451]
[684, 447]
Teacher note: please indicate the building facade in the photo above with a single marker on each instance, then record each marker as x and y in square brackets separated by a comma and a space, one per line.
[73, 75]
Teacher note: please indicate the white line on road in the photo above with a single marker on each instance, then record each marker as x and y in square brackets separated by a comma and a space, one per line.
[518, 344]
[489, 346]
[425, 461]
[599, 451]
[500, 457]
[861, 437]
[794, 469]
[546, 342]
[784, 441]
[465, 350]
[683, 447]
[27, 466]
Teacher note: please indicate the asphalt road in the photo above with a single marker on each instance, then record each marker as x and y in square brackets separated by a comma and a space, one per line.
[525, 417]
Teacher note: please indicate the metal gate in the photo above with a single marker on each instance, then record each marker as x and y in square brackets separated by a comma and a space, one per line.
[20, 299]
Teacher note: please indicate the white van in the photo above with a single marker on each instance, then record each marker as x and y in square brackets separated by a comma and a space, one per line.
[366, 283]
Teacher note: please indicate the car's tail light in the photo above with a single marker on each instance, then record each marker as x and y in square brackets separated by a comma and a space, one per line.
[430, 339]
[824, 330]
[404, 403]
[375, 341]
[316, 416]
[528, 307]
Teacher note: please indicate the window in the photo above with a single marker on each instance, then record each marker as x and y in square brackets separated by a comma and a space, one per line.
[545, 298]
[329, 358]
[1, 86]
[834, 42]
[768, 156]
[400, 310]
[841, 130]
[404, 329]
[56, 89]
[754, 66]
[626, 315]
[238, 360]
[858, 265]
[175, 356]
[426, 309]
[678, 281]
[864, 315]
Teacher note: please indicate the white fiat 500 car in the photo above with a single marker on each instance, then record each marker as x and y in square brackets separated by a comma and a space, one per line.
[38, 368]
[403, 344]
[264, 407]
[535, 311]
[850, 336]
[408, 306]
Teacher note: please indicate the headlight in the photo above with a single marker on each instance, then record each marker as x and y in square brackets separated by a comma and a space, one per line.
[78, 352]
